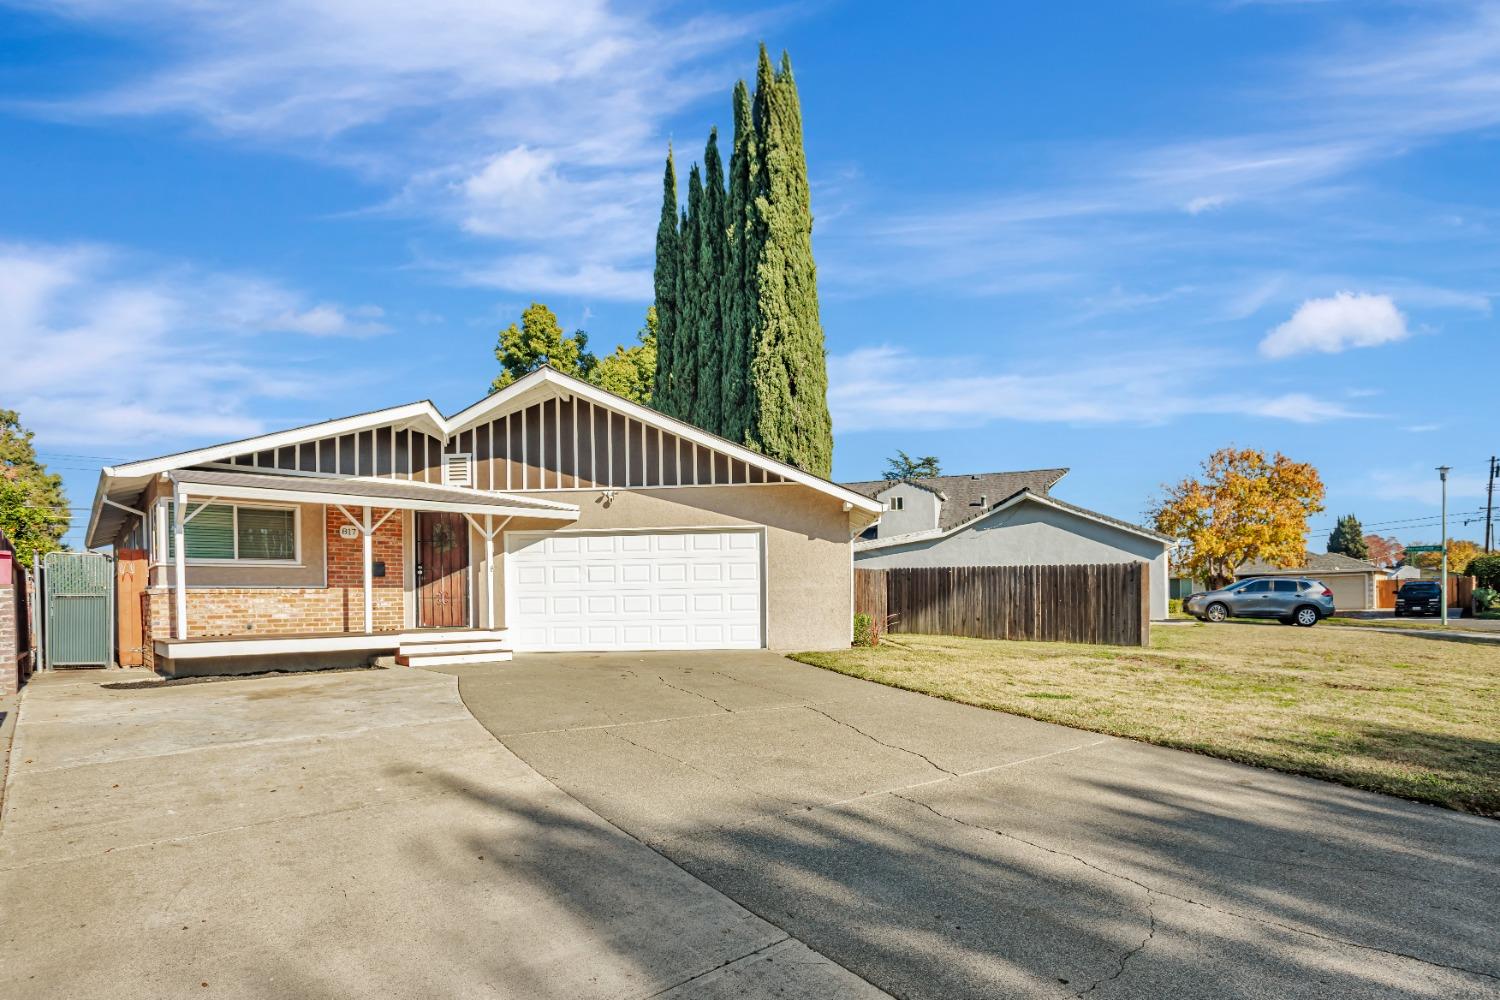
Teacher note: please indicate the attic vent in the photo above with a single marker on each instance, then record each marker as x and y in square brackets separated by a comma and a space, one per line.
[980, 502]
[458, 470]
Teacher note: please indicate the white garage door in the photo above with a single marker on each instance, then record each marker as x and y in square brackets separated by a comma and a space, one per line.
[667, 590]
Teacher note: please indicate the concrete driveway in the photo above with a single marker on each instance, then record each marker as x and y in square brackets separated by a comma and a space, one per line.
[338, 835]
[942, 851]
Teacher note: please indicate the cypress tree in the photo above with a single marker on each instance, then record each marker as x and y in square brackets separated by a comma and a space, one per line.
[709, 281]
[666, 280]
[789, 417]
[689, 302]
[738, 285]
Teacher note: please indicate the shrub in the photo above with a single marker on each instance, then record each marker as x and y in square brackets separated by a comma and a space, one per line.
[1174, 606]
[1486, 599]
[865, 633]
[1485, 570]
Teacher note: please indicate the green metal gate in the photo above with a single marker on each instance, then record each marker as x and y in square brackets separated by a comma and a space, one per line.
[79, 589]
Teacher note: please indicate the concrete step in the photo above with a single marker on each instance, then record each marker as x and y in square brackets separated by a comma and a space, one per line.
[456, 635]
[443, 659]
[474, 646]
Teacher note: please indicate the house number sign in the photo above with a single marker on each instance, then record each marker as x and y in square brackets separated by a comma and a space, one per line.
[348, 531]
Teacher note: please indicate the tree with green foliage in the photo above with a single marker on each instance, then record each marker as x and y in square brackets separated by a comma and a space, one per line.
[789, 417]
[709, 277]
[631, 371]
[1485, 570]
[539, 340]
[1348, 538]
[737, 287]
[34, 513]
[903, 466]
[689, 323]
[665, 309]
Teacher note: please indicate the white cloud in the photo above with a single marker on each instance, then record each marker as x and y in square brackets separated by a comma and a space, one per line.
[1336, 324]
[1206, 203]
[523, 124]
[887, 387]
[102, 350]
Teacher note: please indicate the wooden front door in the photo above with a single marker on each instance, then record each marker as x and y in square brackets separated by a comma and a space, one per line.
[442, 570]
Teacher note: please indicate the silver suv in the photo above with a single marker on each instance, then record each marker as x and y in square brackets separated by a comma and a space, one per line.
[1289, 600]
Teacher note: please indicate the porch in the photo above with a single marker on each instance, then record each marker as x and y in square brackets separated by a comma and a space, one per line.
[248, 654]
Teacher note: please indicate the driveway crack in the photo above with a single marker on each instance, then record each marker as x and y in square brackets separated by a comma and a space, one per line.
[695, 694]
[891, 746]
[1292, 928]
[722, 965]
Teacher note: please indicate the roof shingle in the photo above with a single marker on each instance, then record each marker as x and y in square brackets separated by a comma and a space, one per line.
[962, 494]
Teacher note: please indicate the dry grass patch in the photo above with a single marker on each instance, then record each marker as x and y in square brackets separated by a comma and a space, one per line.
[1412, 717]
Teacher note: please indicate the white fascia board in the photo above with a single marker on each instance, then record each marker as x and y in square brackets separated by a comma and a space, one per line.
[412, 412]
[560, 512]
[462, 420]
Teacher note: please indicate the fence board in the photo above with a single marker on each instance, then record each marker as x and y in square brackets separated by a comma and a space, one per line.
[1107, 604]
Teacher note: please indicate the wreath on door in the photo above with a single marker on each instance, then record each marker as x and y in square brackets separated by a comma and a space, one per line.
[444, 538]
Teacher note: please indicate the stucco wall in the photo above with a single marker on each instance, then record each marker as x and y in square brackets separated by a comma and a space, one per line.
[1031, 534]
[919, 510]
[809, 602]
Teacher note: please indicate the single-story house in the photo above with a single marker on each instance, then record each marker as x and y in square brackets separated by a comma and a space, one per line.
[1403, 573]
[1001, 519]
[551, 515]
[1351, 580]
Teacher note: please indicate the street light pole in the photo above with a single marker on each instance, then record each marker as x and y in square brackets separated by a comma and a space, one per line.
[1443, 584]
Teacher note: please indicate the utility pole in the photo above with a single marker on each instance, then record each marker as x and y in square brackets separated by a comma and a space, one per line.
[1443, 471]
[1489, 508]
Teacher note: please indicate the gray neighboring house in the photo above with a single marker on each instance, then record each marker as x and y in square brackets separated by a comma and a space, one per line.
[1351, 580]
[1001, 519]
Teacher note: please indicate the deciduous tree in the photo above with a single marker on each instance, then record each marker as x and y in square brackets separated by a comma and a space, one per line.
[631, 371]
[1348, 538]
[1460, 552]
[539, 340]
[1387, 551]
[903, 466]
[1243, 507]
[33, 507]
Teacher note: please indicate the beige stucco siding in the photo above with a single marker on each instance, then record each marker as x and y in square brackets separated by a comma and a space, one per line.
[808, 576]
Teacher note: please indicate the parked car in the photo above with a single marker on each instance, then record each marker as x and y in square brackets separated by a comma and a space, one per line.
[1290, 601]
[1419, 597]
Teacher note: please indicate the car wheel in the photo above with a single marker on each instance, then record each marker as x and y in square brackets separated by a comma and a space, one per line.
[1216, 612]
[1399, 614]
[1306, 616]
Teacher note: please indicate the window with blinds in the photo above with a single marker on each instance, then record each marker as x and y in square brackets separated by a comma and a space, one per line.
[230, 532]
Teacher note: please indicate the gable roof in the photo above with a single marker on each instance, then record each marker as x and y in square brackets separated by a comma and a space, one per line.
[121, 482]
[1020, 496]
[1312, 562]
[961, 494]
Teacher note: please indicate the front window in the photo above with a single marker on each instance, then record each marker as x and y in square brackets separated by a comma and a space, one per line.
[226, 532]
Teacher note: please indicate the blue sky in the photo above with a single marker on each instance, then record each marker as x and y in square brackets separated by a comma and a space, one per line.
[1108, 236]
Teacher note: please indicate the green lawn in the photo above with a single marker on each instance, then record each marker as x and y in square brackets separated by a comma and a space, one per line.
[1399, 714]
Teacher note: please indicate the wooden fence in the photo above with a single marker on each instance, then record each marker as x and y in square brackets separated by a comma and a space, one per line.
[1460, 592]
[1105, 604]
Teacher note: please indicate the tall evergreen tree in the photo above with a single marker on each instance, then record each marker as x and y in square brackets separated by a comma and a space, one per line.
[789, 417]
[1348, 537]
[685, 381]
[738, 285]
[666, 280]
[713, 250]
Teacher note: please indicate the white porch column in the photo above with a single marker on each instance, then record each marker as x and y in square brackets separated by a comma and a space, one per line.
[489, 571]
[366, 536]
[179, 540]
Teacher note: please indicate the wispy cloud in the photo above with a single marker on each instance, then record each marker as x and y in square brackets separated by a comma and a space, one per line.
[535, 128]
[888, 387]
[105, 350]
[1331, 325]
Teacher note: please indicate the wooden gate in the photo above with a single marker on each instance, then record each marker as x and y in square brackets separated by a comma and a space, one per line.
[1460, 592]
[130, 584]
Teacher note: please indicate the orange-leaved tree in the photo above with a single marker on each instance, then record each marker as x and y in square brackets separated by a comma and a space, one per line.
[1243, 507]
[1460, 551]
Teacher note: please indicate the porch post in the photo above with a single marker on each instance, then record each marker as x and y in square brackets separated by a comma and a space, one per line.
[179, 585]
[489, 571]
[365, 536]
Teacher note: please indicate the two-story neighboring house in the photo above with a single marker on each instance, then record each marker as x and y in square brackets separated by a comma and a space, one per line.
[1001, 519]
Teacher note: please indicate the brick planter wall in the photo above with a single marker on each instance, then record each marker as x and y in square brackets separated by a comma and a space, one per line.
[253, 611]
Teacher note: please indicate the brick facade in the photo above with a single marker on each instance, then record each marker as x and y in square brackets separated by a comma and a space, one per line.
[256, 611]
[10, 636]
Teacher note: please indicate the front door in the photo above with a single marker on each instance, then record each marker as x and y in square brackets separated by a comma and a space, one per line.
[442, 570]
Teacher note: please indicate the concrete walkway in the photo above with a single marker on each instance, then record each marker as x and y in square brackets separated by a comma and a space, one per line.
[339, 835]
[942, 851]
